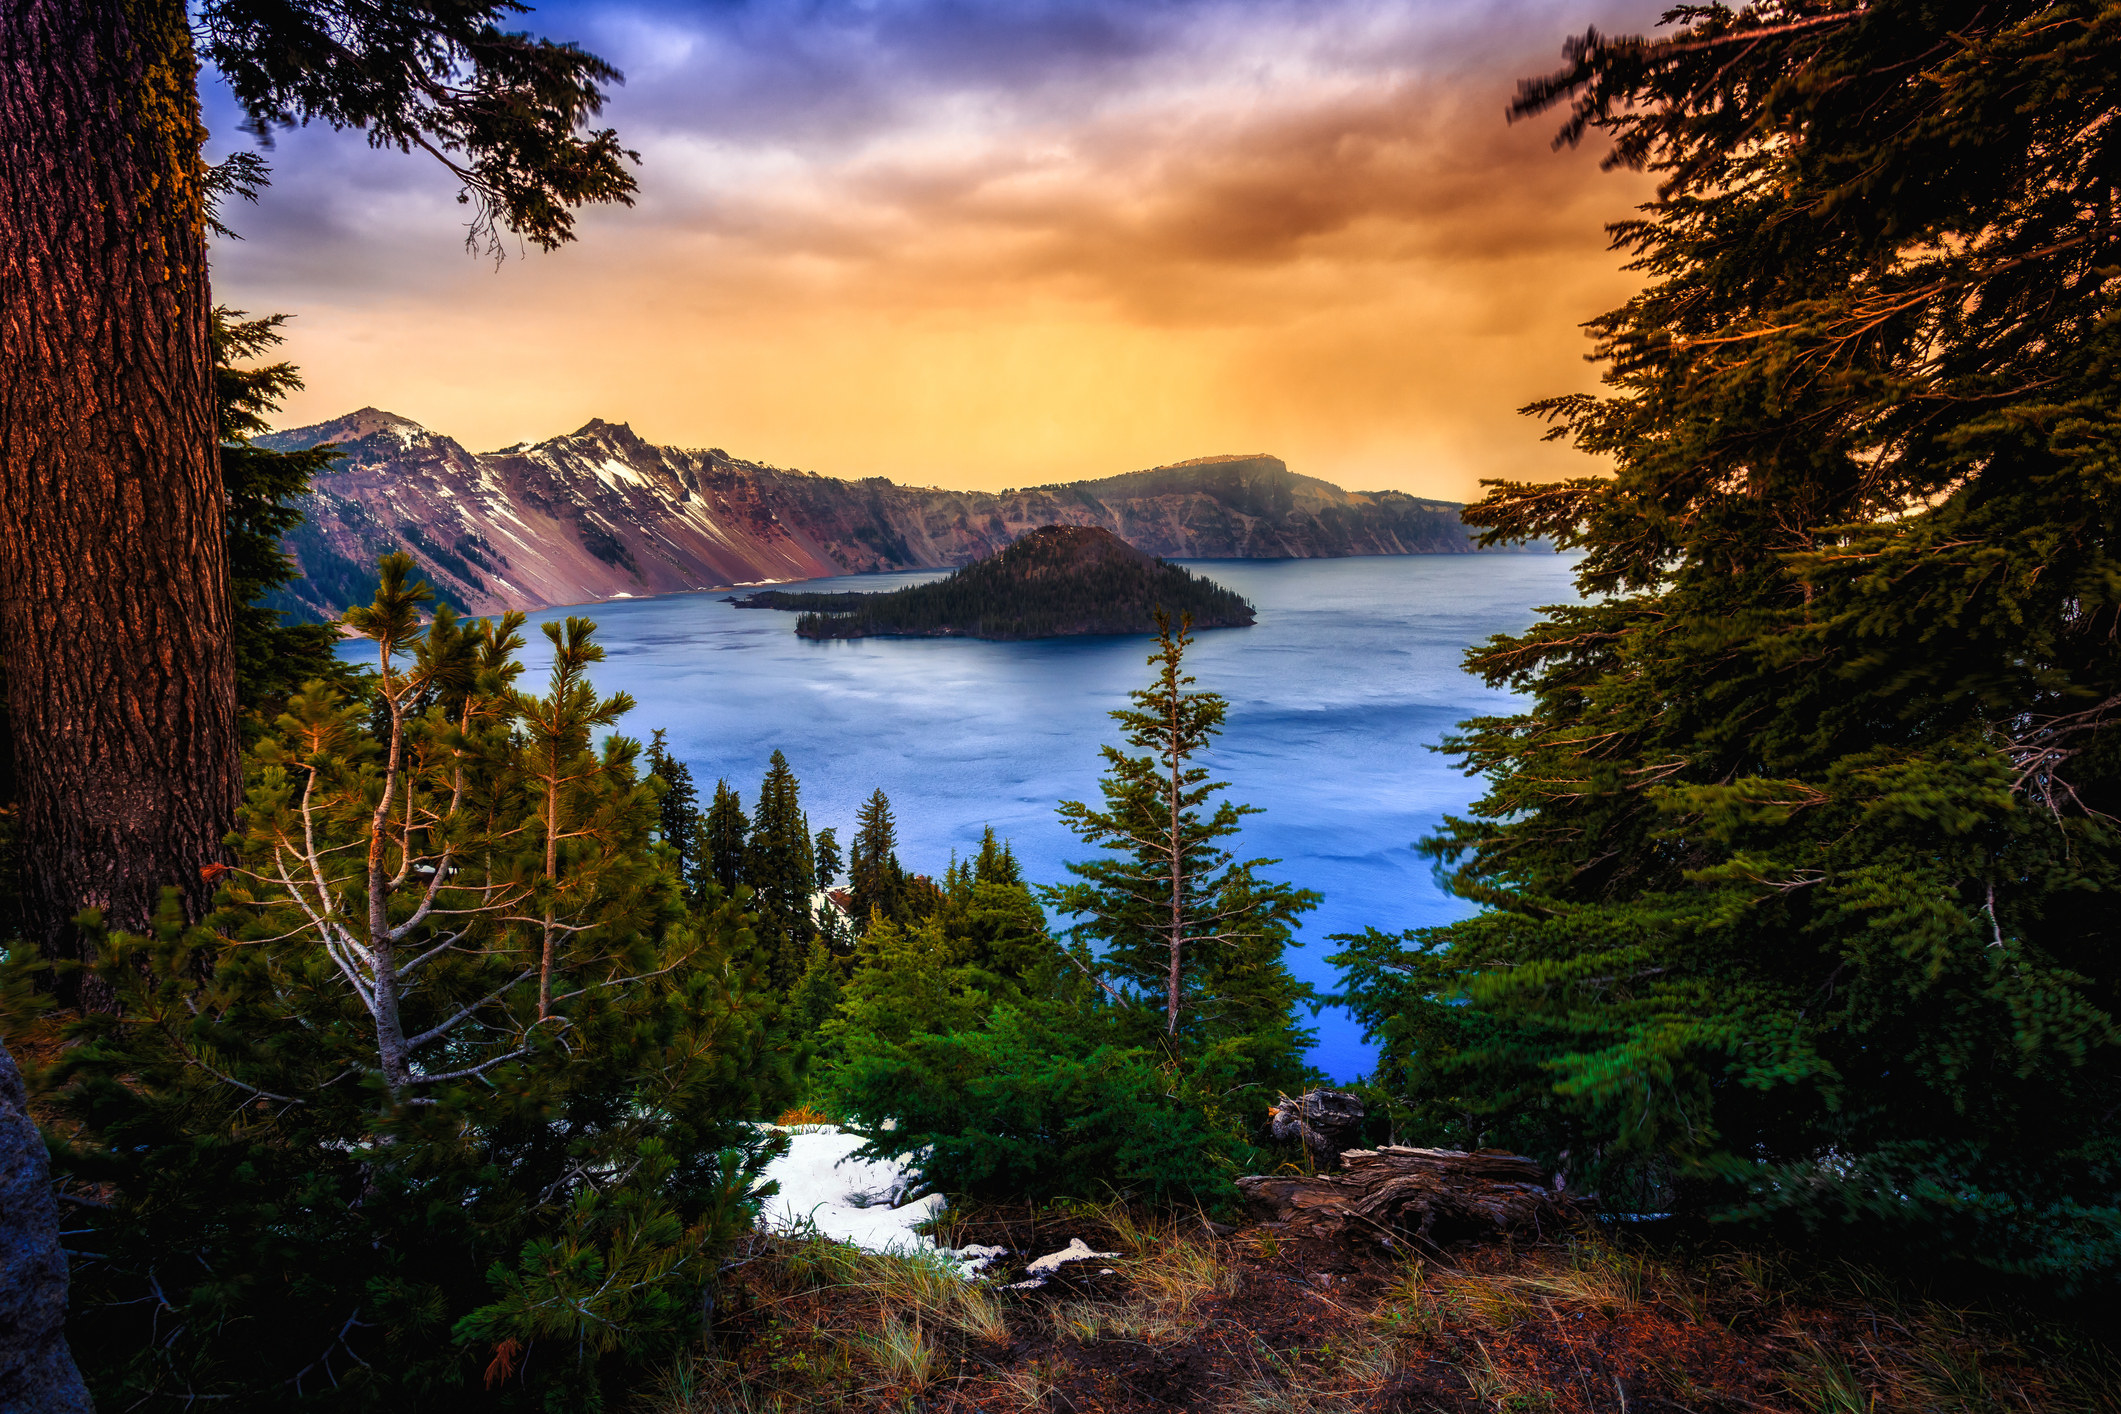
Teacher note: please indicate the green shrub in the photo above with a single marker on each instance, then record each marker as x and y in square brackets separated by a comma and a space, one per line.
[447, 1093]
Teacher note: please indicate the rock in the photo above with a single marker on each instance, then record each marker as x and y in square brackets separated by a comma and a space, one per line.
[37, 1373]
[1436, 1195]
[1327, 1121]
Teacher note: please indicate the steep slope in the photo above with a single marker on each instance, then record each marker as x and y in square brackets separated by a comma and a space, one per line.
[600, 513]
[1054, 582]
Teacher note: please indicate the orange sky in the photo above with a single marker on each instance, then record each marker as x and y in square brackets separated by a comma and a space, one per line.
[968, 254]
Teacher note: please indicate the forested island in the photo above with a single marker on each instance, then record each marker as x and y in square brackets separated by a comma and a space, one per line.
[1057, 581]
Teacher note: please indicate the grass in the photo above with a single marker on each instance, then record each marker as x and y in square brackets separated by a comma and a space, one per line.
[1932, 1358]
[1270, 1397]
[1263, 1324]
[1177, 1274]
[1028, 1388]
[884, 1327]
[904, 1355]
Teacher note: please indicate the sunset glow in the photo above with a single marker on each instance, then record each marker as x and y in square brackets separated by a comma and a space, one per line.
[995, 247]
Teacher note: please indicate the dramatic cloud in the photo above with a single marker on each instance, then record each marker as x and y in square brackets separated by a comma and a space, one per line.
[997, 244]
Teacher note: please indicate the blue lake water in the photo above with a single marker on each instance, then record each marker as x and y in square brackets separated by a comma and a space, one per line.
[1336, 695]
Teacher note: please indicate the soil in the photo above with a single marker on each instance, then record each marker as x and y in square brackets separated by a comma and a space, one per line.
[1583, 1325]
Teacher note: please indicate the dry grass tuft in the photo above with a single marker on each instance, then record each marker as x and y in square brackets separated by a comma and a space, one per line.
[1030, 1387]
[1371, 1365]
[927, 1288]
[1086, 1322]
[1265, 1396]
[903, 1354]
[1935, 1359]
[699, 1384]
[1176, 1274]
[1824, 1379]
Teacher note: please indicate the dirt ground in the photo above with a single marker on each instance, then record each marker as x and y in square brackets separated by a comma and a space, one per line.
[1189, 1316]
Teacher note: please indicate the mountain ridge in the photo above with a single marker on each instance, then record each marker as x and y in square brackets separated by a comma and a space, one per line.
[600, 513]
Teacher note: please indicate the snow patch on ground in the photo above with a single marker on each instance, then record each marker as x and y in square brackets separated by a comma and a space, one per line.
[1044, 1269]
[858, 1201]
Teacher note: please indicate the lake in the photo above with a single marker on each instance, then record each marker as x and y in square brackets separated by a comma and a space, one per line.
[1336, 696]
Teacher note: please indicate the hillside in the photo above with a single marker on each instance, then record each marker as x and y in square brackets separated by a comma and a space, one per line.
[599, 514]
[1057, 581]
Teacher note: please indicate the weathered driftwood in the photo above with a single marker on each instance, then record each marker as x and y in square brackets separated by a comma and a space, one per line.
[1434, 1194]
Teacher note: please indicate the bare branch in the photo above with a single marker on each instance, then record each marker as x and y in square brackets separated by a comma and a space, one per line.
[435, 1033]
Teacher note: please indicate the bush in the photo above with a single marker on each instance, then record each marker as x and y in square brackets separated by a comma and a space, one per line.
[447, 1093]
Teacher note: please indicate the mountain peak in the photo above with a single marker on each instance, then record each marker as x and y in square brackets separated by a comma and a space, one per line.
[354, 426]
[1222, 458]
[1066, 546]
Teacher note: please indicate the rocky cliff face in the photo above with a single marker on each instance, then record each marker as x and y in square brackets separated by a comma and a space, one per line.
[600, 514]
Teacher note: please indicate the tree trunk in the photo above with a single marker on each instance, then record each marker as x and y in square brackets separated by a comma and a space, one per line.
[1178, 856]
[114, 600]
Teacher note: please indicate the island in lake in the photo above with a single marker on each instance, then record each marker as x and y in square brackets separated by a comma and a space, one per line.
[1055, 581]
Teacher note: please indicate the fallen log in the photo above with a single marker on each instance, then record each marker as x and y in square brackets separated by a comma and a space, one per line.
[1435, 1195]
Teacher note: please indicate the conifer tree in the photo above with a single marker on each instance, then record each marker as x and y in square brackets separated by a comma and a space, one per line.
[127, 748]
[874, 877]
[1009, 1069]
[815, 998]
[990, 916]
[1798, 863]
[678, 813]
[782, 875]
[341, 1155]
[577, 788]
[1174, 893]
[273, 658]
[723, 836]
[827, 855]
[835, 925]
[995, 864]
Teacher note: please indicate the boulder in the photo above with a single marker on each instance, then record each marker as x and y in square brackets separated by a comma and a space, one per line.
[37, 1373]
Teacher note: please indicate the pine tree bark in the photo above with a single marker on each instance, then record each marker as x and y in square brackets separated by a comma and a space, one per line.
[114, 607]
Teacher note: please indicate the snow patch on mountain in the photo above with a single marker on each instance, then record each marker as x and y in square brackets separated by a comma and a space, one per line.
[599, 512]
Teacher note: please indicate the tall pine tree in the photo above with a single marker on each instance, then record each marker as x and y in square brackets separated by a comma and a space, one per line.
[782, 875]
[273, 658]
[678, 814]
[1799, 862]
[1172, 895]
[577, 788]
[827, 855]
[343, 1096]
[723, 834]
[875, 880]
